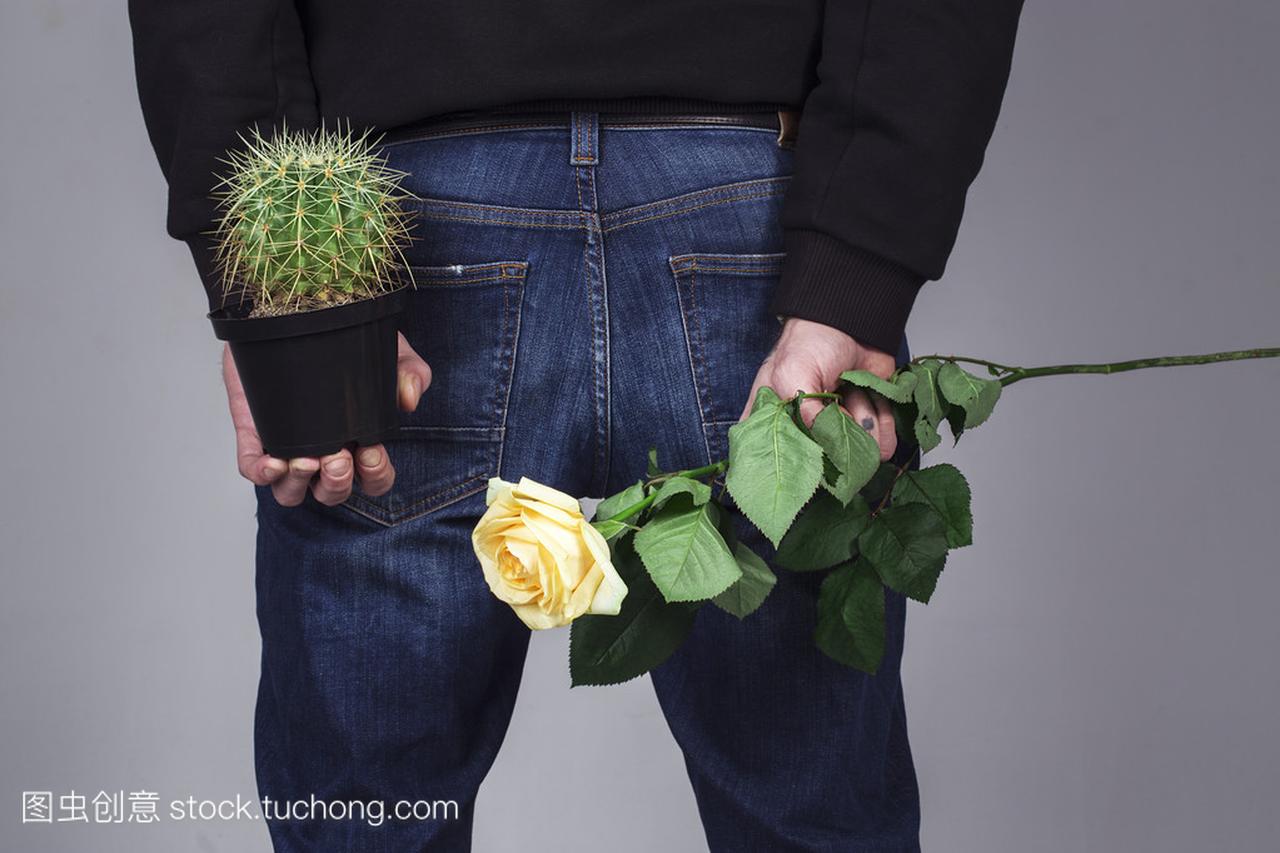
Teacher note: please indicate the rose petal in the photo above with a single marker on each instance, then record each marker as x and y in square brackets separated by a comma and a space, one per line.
[612, 589]
[497, 486]
[555, 497]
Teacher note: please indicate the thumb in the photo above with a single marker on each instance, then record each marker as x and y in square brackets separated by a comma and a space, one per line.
[414, 376]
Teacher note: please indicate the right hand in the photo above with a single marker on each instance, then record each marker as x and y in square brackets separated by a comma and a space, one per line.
[329, 478]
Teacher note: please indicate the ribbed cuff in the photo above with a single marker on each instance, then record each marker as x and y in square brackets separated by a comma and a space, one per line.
[861, 293]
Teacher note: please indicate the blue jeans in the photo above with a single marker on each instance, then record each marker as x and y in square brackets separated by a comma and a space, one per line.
[583, 292]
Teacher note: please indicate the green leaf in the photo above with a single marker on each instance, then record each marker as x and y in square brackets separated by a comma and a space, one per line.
[929, 405]
[943, 489]
[880, 484]
[904, 418]
[609, 528]
[927, 396]
[851, 617]
[850, 447]
[684, 552]
[653, 470]
[908, 547]
[614, 649]
[926, 434]
[977, 396]
[899, 390]
[774, 468]
[832, 481]
[766, 398]
[699, 491]
[955, 420]
[614, 504]
[824, 534]
[746, 595]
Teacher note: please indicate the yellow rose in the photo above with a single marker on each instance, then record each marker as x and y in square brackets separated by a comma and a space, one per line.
[541, 556]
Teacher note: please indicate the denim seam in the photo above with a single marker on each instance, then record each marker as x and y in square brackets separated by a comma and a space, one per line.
[495, 221]
[770, 270]
[695, 361]
[492, 271]
[683, 210]
[596, 390]
[605, 434]
[388, 519]
[513, 348]
[766, 263]
[589, 221]
[424, 205]
[729, 189]
[442, 283]
[673, 207]
[705, 402]
[410, 429]
[542, 218]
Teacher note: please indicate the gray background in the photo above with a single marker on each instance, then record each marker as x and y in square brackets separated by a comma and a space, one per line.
[1098, 672]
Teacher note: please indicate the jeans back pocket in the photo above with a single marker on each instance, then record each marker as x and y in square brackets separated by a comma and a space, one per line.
[724, 304]
[464, 320]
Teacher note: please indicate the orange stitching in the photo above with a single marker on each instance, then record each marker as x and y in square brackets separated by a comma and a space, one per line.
[425, 204]
[774, 183]
[682, 210]
[388, 517]
[499, 221]
[763, 270]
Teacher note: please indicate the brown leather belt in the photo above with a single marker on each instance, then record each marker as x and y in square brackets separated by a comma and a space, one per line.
[785, 122]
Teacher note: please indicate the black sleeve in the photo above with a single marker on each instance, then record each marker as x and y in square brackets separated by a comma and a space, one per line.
[207, 70]
[890, 138]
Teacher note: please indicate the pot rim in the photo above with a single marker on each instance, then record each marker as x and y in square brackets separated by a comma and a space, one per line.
[230, 328]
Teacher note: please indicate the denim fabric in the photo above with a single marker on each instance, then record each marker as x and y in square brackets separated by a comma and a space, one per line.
[584, 291]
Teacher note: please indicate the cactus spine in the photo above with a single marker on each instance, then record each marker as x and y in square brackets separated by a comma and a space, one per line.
[309, 220]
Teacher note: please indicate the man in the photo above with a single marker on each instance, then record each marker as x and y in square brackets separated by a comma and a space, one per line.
[618, 211]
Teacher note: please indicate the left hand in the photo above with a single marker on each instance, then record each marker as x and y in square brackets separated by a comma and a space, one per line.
[332, 477]
[810, 357]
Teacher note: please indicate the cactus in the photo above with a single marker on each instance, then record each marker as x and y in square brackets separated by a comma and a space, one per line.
[310, 220]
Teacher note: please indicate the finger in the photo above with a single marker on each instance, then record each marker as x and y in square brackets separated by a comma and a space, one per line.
[809, 408]
[256, 466]
[291, 489]
[887, 428]
[751, 395]
[414, 376]
[863, 413]
[373, 467]
[337, 473]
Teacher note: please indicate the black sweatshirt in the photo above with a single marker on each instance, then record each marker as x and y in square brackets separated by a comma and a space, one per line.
[898, 97]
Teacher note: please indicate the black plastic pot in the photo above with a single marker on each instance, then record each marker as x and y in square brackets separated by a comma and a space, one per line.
[321, 380]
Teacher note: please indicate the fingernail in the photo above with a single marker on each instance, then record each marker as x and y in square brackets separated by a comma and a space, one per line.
[868, 424]
[304, 465]
[274, 468]
[370, 457]
[337, 467]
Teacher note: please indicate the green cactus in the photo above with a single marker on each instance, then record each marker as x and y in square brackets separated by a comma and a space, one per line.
[310, 220]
